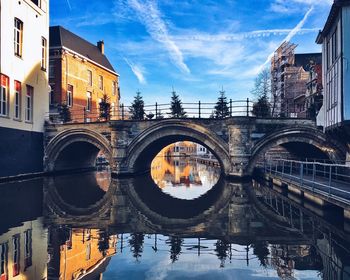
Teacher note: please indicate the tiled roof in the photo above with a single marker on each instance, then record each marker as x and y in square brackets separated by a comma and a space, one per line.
[61, 37]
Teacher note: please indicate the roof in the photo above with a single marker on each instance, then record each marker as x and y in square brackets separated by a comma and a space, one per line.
[333, 14]
[303, 59]
[61, 37]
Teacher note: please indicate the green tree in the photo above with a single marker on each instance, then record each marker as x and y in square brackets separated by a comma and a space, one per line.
[261, 250]
[262, 91]
[103, 242]
[176, 109]
[222, 250]
[64, 112]
[175, 247]
[136, 244]
[221, 108]
[105, 107]
[137, 110]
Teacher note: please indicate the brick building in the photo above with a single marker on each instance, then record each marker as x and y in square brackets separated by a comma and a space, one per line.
[80, 75]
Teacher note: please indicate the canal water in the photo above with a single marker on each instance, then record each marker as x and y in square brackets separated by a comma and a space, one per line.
[182, 221]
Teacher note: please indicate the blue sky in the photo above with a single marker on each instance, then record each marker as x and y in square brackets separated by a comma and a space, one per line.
[197, 46]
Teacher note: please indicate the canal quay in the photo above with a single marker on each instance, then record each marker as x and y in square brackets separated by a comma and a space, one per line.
[194, 140]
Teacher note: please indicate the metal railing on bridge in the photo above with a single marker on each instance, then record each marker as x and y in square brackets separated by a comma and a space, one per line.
[198, 110]
[328, 179]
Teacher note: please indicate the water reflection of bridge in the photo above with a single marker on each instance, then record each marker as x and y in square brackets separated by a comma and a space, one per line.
[231, 212]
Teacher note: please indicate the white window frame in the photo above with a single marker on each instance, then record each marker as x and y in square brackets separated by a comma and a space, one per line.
[89, 73]
[70, 90]
[18, 37]
[88, 101]
[43, 53]
[100, 82]
[4, 97]
[17, 101]
[16, 254]
[29, 104]
[4, 259]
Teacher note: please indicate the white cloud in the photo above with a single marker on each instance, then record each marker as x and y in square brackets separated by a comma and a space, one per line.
[69, 6]
[137, 70]
[289, 37]
[293, 6]
[150, 16]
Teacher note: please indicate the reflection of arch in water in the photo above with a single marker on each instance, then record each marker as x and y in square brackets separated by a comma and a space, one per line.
[163, 211]
[77, 195]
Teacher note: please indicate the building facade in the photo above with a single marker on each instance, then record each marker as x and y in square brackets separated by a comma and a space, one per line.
[289, 77]
[335, 40]
[24, 98]
[80, 77]
[314, 91]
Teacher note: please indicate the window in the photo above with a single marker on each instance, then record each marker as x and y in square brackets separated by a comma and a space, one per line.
[88, 251]
[52, 95]
[70, 96]
[89, 73]
[36, 2]
[43, 53]
[114, 87]
[29, 104]
[15, 255]
[18, 37]
[51, 69]
[28, 248]
[3, 260]
[100, 82]
[17, 104]
[88, 101]
[4, 95]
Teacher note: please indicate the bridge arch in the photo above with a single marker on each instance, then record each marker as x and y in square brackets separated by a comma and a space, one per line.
[75, 149]
[310, 137]
[149, 143]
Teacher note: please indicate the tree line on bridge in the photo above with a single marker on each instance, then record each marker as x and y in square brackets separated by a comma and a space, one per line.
[222, 109]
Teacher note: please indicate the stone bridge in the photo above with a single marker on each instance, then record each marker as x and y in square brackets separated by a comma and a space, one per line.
[237, 142]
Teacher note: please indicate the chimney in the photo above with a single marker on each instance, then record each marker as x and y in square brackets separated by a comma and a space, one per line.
[101, 46]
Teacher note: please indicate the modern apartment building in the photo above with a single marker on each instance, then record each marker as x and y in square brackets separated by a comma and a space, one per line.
[335, 40]
[80, 75]
[24, 98]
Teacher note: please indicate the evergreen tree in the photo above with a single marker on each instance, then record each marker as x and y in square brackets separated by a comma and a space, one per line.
[262, 90]
[105, 108]
[261, 250]
[64, 112]
[261, 108]
[222, 250]
[175, 247]
[176, 108]
[103, 242]
[136, 244]
[221, 107]
[137, 110]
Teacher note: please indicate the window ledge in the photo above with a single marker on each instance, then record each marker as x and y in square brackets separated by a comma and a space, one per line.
[4, 117]
[29, 122]
[17, 120]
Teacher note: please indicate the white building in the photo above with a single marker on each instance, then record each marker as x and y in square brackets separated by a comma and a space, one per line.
[23, 252]
[24, 95]
[335, 40]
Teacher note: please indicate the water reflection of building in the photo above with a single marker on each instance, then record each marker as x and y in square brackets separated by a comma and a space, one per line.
[177, 171]
[288, 258]
[79, 253]
[23, 252]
